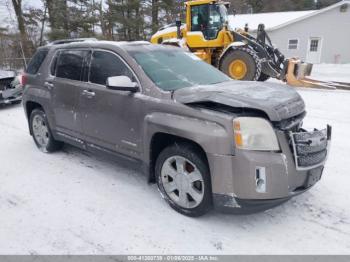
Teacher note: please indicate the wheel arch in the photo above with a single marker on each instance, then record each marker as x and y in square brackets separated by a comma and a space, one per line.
[211, 137]
[161, 140]
[232, 46]
[30, 106]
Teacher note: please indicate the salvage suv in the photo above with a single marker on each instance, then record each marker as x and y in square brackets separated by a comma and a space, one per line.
[206, 140]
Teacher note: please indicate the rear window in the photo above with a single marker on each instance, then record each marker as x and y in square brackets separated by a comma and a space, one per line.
[36, 61]
[70, 64]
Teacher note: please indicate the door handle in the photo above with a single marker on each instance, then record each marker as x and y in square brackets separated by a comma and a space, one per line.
[88, 93]
[48, 84]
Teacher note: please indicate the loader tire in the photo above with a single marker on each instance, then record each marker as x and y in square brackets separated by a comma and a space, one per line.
[241, 63]
[263, 77]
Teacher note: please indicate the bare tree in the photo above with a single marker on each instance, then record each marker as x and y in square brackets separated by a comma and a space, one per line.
[17, 5]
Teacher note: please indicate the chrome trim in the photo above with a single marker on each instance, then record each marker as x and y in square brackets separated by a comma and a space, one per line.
[327, 131]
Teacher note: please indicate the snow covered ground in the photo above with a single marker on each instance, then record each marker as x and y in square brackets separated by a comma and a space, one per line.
[335, 72]
[72, 202]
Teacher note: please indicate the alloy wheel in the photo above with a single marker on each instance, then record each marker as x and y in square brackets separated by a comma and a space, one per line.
[182, 182]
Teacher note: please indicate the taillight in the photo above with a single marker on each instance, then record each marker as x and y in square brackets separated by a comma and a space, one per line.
[23, 80]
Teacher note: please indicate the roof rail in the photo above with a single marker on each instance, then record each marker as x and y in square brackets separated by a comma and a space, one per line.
[72, 40]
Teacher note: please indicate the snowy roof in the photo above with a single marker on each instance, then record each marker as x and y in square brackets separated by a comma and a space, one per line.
[276, 20]
[271, 20]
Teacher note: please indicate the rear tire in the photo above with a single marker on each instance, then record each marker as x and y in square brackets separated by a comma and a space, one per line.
[183, 179]
[241, 63]
[41, 132]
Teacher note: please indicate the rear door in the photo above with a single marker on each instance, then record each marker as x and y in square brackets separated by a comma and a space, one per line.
[110, 118]
[67, 70]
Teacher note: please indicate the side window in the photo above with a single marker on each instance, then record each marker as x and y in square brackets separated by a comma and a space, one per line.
[36, 61]
[104, 65]
[70, 64]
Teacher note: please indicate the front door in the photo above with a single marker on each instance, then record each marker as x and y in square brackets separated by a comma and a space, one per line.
[314, 50]
[110, 118]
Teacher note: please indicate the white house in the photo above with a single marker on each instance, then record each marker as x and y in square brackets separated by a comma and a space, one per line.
[317, 36]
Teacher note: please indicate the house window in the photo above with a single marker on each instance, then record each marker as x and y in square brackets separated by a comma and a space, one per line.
[293, 44]
[314, 45]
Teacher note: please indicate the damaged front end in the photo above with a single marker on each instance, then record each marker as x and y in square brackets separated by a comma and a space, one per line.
[273, 157]
[10, 90]
[263, 180]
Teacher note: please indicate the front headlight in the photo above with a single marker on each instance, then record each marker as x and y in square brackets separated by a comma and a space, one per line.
[254, 133]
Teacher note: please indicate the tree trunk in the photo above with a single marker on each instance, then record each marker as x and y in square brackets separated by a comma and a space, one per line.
[137, 26]
[155, 22]
[17, 5]
[66, 21]
[43, 26]
[102, 19]
[51, 11]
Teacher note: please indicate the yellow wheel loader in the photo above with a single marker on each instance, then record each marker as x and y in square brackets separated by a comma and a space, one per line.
[235, 52]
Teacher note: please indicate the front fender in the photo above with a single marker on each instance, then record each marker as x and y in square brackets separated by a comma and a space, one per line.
[211, 136]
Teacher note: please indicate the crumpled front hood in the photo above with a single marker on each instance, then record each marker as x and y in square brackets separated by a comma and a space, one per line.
[278, 101]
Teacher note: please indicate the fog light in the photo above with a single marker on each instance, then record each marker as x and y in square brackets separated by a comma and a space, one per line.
[260, 179]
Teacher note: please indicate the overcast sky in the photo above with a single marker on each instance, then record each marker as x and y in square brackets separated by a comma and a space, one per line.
[5, 19]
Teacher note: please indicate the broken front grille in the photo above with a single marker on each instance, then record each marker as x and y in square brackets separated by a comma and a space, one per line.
[5, 83]
[310, 149]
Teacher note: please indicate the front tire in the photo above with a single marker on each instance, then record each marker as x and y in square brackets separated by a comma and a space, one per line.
[241, 63]
[183, 179]
[41, 132]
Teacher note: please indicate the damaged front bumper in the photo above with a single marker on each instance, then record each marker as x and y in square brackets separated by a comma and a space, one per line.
[10, 90]
[11, 95]
[252, 181]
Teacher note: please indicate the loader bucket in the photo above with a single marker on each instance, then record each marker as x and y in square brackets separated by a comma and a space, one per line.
[298, 72]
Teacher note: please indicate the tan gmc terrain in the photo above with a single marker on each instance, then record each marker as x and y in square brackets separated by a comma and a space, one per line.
[206, 140]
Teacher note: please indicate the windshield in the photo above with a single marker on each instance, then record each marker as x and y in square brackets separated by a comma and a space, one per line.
[172, 69]
[209, 19]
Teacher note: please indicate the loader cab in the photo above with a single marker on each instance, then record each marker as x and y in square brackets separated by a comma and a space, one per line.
[208, 17]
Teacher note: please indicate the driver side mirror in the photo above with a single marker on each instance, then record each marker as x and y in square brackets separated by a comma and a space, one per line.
[122, 83]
